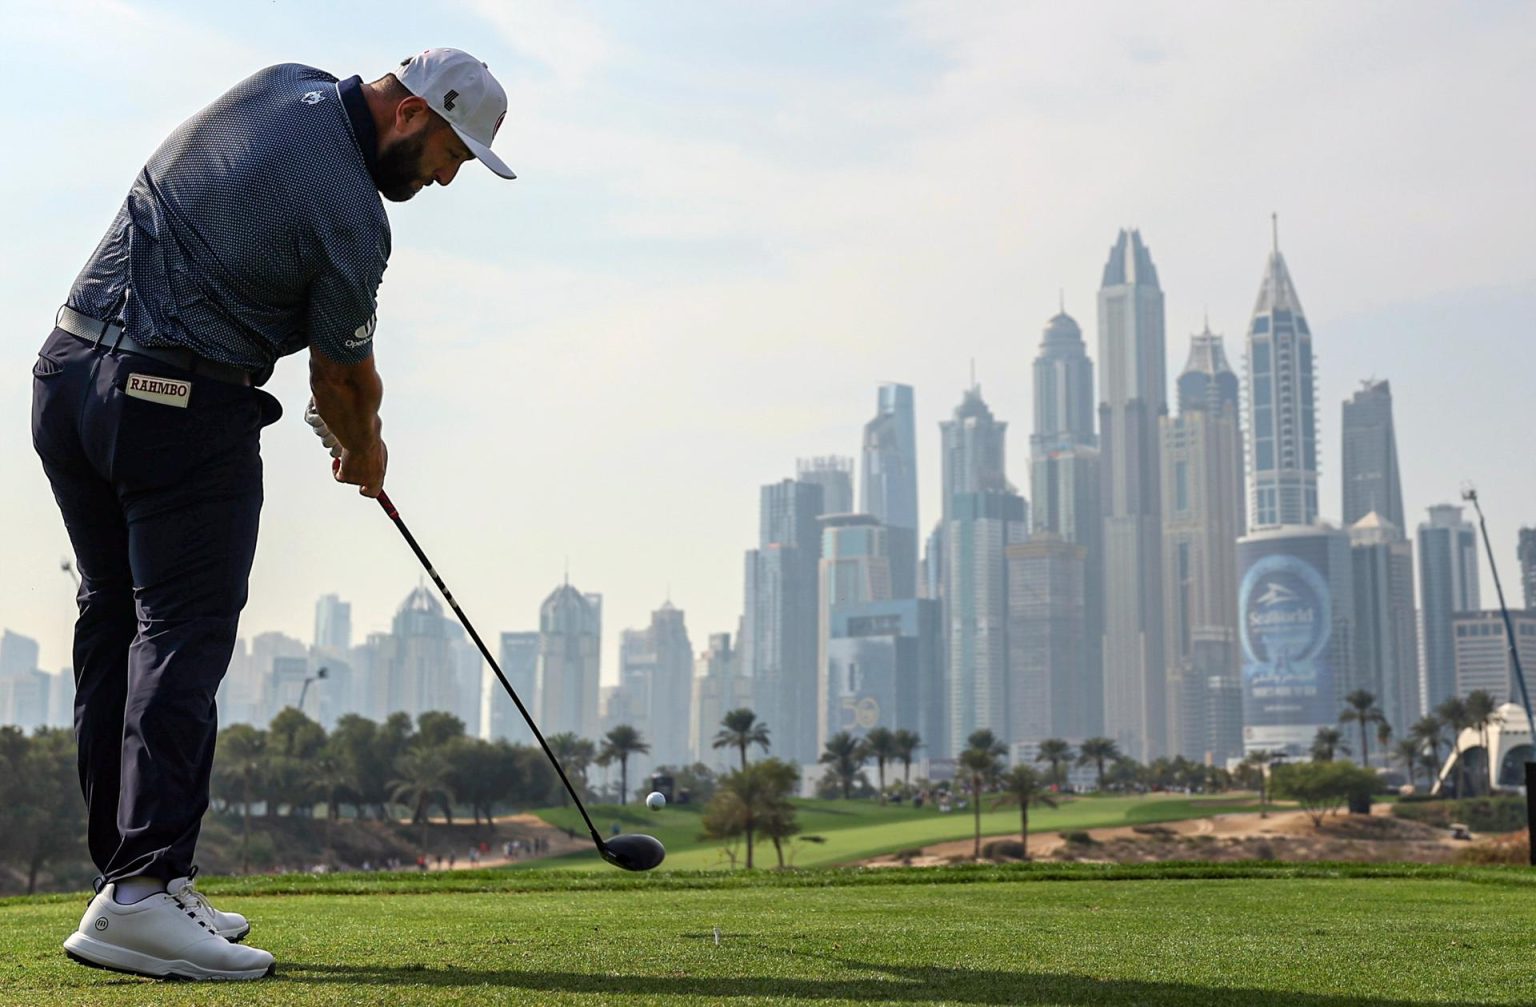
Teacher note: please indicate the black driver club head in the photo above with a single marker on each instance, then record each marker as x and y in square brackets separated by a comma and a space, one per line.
[633, 852]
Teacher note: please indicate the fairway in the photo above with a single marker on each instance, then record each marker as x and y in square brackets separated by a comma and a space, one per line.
[1179, 934]
[857, 830]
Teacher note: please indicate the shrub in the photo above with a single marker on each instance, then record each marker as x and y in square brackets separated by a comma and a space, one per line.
[1079, 839]
[1481, 814]
[1003, 849]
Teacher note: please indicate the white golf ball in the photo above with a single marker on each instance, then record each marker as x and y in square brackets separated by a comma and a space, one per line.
[655, 801]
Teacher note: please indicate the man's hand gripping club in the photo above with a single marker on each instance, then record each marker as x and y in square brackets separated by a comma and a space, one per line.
[343, 411]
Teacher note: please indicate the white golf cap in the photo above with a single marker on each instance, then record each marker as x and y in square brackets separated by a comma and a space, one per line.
[460, 88]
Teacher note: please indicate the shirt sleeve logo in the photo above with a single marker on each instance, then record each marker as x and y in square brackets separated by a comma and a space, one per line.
[363, 335]
[312, 98]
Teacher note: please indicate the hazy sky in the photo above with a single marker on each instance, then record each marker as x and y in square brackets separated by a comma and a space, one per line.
[732, 221]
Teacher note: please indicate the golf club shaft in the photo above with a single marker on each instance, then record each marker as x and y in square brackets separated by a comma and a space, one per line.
[410, 540]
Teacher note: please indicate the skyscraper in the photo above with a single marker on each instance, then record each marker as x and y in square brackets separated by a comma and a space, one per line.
[1282, 413]
[1132, 396]
[1371, 479]
[1064, 485]
[519, 660]
[888, 486]
[1202, 484]
[1386, 632]
[426, 665]
[1447, 585]
[983, 515]
[570, 638]
[779, 623]
[1049, 685]
[1527, 553]
[834, 474]
[855, 568]
[718, 688]
[333, 625]
[24, 689]
[656, 680]
[1482, 658]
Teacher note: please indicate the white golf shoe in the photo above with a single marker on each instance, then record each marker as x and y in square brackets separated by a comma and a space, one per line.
[231, 926]
[165, 936]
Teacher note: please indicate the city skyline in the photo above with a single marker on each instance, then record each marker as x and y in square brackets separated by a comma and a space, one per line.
[928, 217]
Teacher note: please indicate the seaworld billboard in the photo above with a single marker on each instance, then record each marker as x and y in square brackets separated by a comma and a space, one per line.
[1293, 611]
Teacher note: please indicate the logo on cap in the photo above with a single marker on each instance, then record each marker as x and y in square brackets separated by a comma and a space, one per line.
[448, 100]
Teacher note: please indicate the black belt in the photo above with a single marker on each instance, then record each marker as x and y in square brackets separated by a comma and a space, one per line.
[97, 333]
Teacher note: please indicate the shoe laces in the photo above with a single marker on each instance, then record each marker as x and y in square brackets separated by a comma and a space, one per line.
[193, 903]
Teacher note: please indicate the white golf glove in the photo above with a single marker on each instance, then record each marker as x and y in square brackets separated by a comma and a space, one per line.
[312, 417]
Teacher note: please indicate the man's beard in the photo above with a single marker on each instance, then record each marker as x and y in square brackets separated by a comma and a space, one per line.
[399, 169]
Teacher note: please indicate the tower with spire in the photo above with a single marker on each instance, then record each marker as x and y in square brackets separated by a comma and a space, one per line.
[1133, 396]
[1064, 493]
[1282, 409]
[1203, 517]
[568, 673]
[983, 515]
[888, 483]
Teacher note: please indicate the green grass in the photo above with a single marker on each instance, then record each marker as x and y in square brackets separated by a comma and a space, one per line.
[1247, 934]
[857, 830]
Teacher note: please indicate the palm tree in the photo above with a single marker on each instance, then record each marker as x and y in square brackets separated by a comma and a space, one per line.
[880, 745]
[1361, 708]
[1427, 732]
[979, 764]
[1256, 765]
[1482, 713]
[1410, 754]
[906, 744]
[575, 753]
[618, 745]
[244, 746]
[1055, 751]
[1096, 752]
[1454, 717]
[1383, 735]
[741, 729]
[1024, 787]
[845, 755]
[421, 777]
[753, 799]
[1327, 743]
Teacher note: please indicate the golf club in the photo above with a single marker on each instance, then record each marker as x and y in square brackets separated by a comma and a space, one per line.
[632, 852]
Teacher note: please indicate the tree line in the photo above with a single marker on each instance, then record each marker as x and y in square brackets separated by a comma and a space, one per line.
[1437, 731]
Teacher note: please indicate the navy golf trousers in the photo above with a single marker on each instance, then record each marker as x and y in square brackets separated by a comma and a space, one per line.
[161, 502]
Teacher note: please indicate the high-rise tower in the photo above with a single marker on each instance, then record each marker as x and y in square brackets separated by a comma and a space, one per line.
[983, 515]
[1447, 585]
[834, 474]
[1064, 496]
[888, 485]
[1371, 479]
[1386, 635]
[1132, 397]
[778, 639]
[1202, 483]
[1527, 555]
[1282, 412]
[570, 634]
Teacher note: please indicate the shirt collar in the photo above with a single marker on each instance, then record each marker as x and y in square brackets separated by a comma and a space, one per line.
[363, 131]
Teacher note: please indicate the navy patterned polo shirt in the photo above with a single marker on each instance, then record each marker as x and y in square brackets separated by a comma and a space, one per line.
[254, 231]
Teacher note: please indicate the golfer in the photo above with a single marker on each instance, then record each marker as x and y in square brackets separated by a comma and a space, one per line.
[255, 231]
